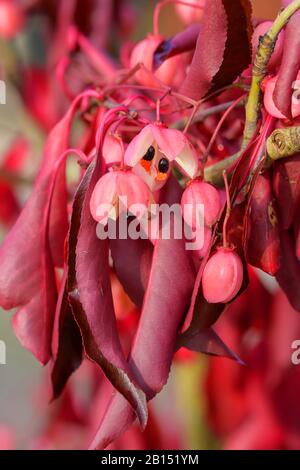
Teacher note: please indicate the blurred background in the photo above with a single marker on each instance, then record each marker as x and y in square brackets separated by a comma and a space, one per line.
[209, 403]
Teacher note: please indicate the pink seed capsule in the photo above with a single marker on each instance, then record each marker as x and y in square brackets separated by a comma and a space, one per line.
[222, 276]
[268, 87]
[113, 150]
[105, 202]
[153, 151]
[200, 203]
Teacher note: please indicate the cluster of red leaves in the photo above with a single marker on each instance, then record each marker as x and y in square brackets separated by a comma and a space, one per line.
[62, 318]
[77, 414]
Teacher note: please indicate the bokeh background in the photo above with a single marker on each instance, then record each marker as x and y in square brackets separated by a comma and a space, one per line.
[207, 402]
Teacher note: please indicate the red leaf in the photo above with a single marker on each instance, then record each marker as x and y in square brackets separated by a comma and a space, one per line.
[286, 184]
[289, 68]
[297, 232]
[91, 297]
[68, 351]
[33, 323]
[30, 250]
[207, 342]
[263, 249]
[132, 263]
[223, 48]
[31, 282]
[166, 301]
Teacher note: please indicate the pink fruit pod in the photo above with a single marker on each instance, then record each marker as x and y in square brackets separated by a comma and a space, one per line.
[200, 204]
[113, 149]
[155, 149]
[269, 85]
[190, 14]
[260, 31]
[222, 276]
[171, 72]
[119, 191]
[11, 18]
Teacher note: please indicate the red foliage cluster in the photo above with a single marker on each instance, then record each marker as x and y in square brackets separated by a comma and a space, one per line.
[159, 123]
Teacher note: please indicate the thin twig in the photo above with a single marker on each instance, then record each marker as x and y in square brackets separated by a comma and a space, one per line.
[205, 113]
[218, 127]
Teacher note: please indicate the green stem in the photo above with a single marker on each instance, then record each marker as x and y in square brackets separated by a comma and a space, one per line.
[265, 50]
[214, 173]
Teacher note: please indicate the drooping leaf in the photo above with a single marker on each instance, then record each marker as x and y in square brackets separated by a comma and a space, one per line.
[58, 218]
[30, 252]
[68, 350]
[263, 248]
[165, 304]
[33, 323]
[30, 283]
[207, 341]
[296, 229]
[166, 300]
[238, 48]
[90, 295]
[203, 315]
[223, 47]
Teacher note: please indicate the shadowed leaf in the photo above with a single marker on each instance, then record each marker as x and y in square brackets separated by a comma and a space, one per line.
[263, 249]
[223, 47]
[166, 301]
[91, 298]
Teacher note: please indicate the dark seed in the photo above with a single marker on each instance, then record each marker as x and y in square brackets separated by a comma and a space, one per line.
[163, 165]
[149, 155]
